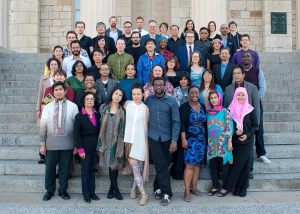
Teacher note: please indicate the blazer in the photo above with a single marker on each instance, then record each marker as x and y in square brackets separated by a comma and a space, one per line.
[85, 133]
[227, 78]
[108, 30]
[252, 96]
[104, 93]
[182, 55]
[146, 37]
[230, 44]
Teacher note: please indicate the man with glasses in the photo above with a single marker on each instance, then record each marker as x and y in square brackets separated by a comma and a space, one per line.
[127, 26]
[204, 41]
[184, 52]
[136, 50]
[174, 41]
[110, 42]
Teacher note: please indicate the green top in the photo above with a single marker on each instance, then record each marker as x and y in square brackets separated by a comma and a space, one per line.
[75, 84]
[117, 63]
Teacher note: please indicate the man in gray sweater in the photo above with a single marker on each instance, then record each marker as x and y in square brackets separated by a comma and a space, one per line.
[57, 141]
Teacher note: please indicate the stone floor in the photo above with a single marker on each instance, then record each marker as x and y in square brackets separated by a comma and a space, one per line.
[255, 202]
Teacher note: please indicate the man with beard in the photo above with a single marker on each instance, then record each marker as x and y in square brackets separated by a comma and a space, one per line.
[162, 48]
[110, 42]
[113, 31]
[163, 131]
[57, 141]
[71, 36]
[256, 77]
[70, 60]
[136, 50]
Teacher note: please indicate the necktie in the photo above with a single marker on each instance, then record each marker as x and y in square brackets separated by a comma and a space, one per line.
[190, 50]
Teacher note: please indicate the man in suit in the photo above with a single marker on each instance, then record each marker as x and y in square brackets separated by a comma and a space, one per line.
[183, 53]
[113, 31]
[239, 76]
[226, 41]
[223, 72]
[152, 27]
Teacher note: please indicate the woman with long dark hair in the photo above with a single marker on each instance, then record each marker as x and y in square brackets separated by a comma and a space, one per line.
[189, 26]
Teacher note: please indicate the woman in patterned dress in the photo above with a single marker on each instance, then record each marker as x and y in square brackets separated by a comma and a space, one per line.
[219, 146]
[193, 119]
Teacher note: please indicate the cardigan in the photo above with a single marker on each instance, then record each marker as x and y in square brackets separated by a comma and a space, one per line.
[85, 133]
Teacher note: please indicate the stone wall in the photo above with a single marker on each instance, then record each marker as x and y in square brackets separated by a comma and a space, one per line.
[56, 20]
[24, 26]
[294, 24]
[180, 12]
[248, 16]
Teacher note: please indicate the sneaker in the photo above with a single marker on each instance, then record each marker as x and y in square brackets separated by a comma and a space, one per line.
[157, 194]
[165, 200]
[143, 200]
[264, 159]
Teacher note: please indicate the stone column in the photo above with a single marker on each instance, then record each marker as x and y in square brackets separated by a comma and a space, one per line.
[24, 26]
[95, 11]
[207, 10]
[4, 24]
[277, 42]
[297, 25]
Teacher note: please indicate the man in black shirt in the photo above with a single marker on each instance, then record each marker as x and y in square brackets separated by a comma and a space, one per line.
[174, 41]
[85, 41]
[97, 56]
[127, 26]
[110, 43]
[136, 50]
[204, 41]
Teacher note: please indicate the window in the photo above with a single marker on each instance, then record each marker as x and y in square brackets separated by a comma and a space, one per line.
[77, 10]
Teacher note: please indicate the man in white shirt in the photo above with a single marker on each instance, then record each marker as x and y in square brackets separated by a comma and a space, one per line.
[70, 60]
[113, 31]
[139, 21]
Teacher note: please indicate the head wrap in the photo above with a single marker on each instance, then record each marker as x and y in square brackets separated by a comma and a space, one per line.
[214, 110]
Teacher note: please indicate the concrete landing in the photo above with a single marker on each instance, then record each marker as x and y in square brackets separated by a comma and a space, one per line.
[255, 202]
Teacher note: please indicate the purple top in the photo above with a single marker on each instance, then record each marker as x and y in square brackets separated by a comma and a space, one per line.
[238, 57]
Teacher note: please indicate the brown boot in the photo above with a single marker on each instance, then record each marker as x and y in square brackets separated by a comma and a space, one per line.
[133, 193]
[143, 200]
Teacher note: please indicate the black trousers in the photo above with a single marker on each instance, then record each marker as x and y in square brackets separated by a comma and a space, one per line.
[239, 173]
[88, 174]
[259, 140]
[63, 158]
[113, 177]
[161, 159]
[215, 164]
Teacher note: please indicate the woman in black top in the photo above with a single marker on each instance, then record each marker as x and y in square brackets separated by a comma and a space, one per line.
[86, 132]
[189, 26]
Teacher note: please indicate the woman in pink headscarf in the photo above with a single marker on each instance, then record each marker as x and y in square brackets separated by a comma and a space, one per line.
[245, 124]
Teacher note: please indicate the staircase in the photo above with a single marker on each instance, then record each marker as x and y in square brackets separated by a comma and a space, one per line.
[19, 171]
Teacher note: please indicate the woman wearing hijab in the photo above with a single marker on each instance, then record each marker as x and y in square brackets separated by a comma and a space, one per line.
[219, 147]
[245, 124]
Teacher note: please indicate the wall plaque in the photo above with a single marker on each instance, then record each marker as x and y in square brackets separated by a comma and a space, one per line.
[278, 23]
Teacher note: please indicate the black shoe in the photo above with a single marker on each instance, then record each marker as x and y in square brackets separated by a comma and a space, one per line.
[243, 193]
[118, 195]
[236, 192]
[165, 200]
[64, 195]
[111, 193]
[87, 200]
[47, 196]
[41, 161]
[95, 197]
[251, 176]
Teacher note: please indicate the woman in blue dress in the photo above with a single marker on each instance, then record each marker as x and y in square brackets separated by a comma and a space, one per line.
[193, 119]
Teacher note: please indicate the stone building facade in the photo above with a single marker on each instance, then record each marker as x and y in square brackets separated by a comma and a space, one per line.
[37, 25]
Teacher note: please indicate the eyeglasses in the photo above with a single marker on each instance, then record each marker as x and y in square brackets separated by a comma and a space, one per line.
[172, 61]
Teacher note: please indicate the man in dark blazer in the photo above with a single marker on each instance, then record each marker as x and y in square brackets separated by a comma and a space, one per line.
[183, 52]
[223, 72]
[152, 27]
[253, 96]
[227, 41]
[113, 31]
[110, 42]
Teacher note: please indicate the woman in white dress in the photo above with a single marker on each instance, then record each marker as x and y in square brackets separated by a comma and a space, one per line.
[136, 143]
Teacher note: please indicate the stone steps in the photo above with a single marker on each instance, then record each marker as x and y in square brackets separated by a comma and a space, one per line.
[32, 168]
[17, 117]
[16, 128]
[18, 99]
[262, 182]
[281, 116]
[31, 152]
[281, 97]
[17, 108]
[281, 107]
[292, 138]
[281, 127]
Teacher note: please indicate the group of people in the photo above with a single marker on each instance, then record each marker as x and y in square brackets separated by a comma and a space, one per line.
[123, 100]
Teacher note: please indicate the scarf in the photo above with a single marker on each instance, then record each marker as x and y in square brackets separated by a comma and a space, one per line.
[214, 110]
[59, 118]
[239, 110]
[117, 158]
